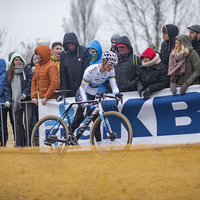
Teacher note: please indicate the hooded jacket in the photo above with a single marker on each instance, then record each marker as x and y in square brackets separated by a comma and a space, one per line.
[125, 70]
[2, 79]
[166, 46]
[72, 64]
[95, 45]
[192, 63]
[45, 78]
[26, 78]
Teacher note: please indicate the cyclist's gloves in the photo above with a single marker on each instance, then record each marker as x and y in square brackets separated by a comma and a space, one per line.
[59, 98]
[119, 96]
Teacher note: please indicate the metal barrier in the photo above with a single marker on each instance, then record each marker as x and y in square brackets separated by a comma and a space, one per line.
[13, 114]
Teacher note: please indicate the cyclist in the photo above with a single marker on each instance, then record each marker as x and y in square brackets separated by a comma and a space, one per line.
[93, 77]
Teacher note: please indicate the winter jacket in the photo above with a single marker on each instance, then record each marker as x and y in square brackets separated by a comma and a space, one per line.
[166, 46]
[72, 64]
[196, 46]
[154, 76]
[2, 79]
[192, 63]
[45, 78]
[125, 70]
[95, 45]
[26, 78]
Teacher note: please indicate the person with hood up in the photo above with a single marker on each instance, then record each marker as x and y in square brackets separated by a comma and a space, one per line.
[184, 65]
[73, 62]
[17, 88]
[169, 32]
[45, 79]
[152, 75]
[125, 70]
[4, 128]
[94, 52]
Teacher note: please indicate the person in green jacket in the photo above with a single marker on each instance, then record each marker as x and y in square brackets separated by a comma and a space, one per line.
[184, 65]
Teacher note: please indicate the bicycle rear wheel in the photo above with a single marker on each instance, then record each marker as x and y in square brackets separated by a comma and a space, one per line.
[117, 142]
[53, 127]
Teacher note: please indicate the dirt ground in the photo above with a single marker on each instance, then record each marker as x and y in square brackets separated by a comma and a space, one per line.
[164, 173]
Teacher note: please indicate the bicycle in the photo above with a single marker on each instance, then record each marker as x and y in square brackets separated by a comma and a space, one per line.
[115, 130]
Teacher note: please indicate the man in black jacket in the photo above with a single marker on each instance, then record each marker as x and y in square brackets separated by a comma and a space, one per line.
[73, 62]
[194, 34]
[125, 70]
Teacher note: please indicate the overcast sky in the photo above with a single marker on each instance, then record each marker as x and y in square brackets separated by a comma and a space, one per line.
[27, 20]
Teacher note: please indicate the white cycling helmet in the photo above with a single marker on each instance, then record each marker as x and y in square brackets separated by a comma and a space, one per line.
[110, 57]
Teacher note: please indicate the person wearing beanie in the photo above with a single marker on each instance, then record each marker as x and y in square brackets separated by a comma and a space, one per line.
[194, 34]
[169, 32]
[184, 65]
[113, 41]
[152, 75]
[45, 79]
[17, 89]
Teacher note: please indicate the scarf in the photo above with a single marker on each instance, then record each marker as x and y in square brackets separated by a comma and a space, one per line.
[176, 66]
[16, 87]
[154, 61]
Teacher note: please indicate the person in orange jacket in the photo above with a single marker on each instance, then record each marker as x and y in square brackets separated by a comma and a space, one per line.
[45, 79]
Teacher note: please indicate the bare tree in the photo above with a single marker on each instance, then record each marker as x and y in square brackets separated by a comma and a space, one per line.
[82, 20]
[142, 20]
[28, 48]
[3, 34]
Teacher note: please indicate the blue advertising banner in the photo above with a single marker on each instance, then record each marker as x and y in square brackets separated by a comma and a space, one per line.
[162, 119]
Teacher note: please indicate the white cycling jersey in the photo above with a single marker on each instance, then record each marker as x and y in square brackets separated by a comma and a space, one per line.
[93, 78]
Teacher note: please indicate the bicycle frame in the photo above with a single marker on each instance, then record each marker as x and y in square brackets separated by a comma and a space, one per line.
[98, 109]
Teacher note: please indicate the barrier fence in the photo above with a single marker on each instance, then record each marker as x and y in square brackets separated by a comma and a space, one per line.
[25, 123]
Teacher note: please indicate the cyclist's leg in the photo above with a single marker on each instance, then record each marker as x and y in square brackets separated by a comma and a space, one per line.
[77, 119]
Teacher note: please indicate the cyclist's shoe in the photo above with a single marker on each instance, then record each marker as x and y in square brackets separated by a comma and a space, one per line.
[50, 140]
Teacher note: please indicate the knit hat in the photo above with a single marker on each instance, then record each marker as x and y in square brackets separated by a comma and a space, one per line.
[121, 45]
[115, 37]
[149, 52]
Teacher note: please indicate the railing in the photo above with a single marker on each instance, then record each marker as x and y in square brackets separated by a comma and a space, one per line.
[13, 115]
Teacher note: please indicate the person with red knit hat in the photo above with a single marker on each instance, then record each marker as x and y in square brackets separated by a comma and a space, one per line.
[152, 75]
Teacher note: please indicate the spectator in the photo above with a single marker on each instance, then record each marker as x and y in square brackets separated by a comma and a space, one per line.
[125, 70]
[17, 89]
[184, 64]
[45, 79]
[113, 41]
[33, 62]
[4, 128]
[56, 48]
[73, 62]
[93, 77]
[194, 34]
[94, 52]
[169, 32]
[152, 75]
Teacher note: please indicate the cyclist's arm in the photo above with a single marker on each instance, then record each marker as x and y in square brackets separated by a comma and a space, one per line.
[83, 87]
[113, 82]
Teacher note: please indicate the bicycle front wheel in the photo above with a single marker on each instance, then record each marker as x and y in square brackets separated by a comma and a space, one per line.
[53, 127]
[115, 142]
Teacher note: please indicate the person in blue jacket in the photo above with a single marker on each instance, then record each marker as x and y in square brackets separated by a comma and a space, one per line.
[94, 52]
[3, 122]
[17, 88]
